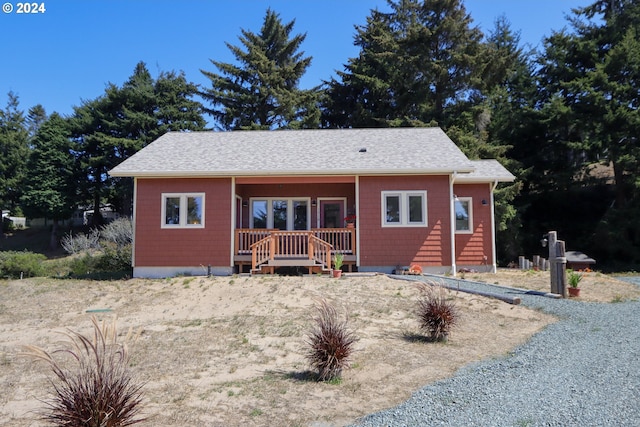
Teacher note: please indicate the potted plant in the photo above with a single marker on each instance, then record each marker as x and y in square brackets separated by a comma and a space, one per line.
[574, 280]
[338, 259]
[350, 220]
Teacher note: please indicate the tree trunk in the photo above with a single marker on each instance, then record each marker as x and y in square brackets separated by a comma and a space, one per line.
[96, 220]
[53, 241]
[618, 174]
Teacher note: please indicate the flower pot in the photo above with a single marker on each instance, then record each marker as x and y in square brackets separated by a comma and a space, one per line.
[574, 292]
[351, 225]
[337, 273]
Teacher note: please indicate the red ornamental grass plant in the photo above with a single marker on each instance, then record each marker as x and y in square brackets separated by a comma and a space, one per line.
[330, 343]
[93, 386]
[437, 314]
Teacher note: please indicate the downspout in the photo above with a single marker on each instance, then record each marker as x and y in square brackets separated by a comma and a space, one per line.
[233, 221]
[494, 267]
[452, 215]
[133, 223]
[358, 216]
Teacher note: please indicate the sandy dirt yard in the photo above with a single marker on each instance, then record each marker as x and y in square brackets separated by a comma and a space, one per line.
[229, 351]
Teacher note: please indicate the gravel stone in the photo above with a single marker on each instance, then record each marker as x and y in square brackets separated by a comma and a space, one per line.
[583, 370]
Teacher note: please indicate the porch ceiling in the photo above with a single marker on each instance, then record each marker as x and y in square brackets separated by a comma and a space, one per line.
[338, 179]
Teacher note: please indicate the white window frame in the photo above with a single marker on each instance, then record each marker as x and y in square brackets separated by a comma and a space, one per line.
[290, 211]
[469, 201]
[404, 208]
[183, 210]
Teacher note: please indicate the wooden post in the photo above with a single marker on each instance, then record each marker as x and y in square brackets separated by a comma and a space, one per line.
[561, 269]
[553, 236]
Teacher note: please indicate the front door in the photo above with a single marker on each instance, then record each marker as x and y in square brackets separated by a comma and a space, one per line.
[331, 214]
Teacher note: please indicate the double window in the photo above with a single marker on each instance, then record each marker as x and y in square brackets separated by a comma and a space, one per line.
[464, 215]
[404, 208]
[182, 210]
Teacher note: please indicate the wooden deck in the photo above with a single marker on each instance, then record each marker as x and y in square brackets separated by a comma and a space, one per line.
[267, 249]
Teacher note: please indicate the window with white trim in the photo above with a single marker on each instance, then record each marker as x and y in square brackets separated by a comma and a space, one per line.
[182, 210]
[464, 214]
[404, 208]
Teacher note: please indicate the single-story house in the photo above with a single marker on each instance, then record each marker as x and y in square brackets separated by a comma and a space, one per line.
[221, 202]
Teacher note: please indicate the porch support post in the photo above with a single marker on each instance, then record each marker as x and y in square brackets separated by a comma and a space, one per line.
[452, 214]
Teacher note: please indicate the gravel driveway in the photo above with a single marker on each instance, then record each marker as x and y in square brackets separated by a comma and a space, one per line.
[581, 371]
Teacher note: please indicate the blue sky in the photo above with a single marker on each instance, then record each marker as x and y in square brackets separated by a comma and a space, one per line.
[72, 50]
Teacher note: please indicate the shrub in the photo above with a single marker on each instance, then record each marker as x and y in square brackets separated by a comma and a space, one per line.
[119, 232]
[92, 386]
[106, 251]
[330, 343]
[81, 242]
[437, 315]
[114, 258]
[21, 264]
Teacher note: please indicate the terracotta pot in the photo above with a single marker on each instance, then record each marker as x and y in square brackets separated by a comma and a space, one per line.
[337, 273]
[574, 292]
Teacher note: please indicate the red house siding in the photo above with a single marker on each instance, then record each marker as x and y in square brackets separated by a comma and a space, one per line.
[160, 247]
[391, 246]
[471, 249]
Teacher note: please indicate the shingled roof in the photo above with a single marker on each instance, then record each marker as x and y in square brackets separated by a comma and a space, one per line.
[486, 170]
[388, 151]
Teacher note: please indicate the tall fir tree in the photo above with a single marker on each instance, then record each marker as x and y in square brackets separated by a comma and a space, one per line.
[36, 116]
[504, 121]
[50, 186]
[417, 66]
[14, 151]
[115, 126]
[589, 79]
[262, 90]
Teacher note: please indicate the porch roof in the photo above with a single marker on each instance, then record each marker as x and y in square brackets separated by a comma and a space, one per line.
[389, 151]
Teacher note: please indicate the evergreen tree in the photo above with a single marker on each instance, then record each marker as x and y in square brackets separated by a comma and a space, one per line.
[261, 91]
[115, 126]
[506, 122]
[14, 151]
[51, 183]
[35, 118]
[589, 79]
[417, 66]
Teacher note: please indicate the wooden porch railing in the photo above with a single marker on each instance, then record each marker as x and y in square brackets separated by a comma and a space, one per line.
[343, 240]
[262, 251]
[245, 237]
[288, 246]
[320, 251]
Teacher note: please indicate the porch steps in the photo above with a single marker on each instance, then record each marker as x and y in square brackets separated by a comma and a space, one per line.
[272, 264]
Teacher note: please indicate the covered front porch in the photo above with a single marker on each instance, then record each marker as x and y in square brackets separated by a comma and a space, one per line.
[264, 250]
[294, 222]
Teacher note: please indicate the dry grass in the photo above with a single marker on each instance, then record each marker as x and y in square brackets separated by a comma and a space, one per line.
[230, 351]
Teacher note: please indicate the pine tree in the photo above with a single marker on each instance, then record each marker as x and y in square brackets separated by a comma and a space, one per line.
[261, 91]
[417, 66]
[113, 127]
[50, 186]
[14, 151]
